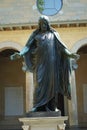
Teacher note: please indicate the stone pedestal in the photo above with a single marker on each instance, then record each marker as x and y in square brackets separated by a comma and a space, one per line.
[43, 123]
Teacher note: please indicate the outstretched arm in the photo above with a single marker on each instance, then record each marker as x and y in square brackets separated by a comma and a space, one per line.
[24, 50]
[17, 55]
[72, 55]
[65, 49]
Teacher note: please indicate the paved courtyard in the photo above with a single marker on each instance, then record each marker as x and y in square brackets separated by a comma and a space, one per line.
[77, 128]
[74, 128]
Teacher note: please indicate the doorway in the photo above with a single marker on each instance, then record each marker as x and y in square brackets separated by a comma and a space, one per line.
[13, 101]
[81, 86]
[12, 85]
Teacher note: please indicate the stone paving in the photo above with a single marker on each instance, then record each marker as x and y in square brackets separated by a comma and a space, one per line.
[74, 128]
[77, 128]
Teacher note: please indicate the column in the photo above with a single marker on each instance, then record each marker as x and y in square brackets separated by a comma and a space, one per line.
[72, 105]
[29, 91]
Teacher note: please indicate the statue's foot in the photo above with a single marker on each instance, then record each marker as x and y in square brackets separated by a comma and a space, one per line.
[56, 109]
[53, 109]
[34, 109]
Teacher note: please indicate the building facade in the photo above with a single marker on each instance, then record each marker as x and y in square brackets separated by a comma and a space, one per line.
[18, 19]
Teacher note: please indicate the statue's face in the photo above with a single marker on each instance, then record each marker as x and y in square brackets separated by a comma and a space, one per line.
[43, 25]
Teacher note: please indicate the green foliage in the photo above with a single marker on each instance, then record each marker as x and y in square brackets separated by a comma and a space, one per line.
[41, 5]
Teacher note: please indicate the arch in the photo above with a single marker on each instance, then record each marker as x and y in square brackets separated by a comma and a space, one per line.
[74, 116]
[10, 45]
[78, 45]
[29, 83]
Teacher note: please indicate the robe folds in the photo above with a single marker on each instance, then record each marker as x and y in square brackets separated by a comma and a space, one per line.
[48, 59]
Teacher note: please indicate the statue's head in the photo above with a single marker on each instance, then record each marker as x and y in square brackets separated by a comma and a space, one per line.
[43, 23]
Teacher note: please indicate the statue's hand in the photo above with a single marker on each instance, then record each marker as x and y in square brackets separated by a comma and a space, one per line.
[15, 56]
[75, 56]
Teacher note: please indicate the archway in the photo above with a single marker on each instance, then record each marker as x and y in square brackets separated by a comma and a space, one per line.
[74, 102]
[23, 82]
[81, 86]
[11, 83]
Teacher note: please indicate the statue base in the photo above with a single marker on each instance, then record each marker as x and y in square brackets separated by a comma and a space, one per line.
[43, 122]
[44, 114]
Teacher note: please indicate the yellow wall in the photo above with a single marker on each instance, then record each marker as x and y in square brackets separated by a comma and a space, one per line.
[18, 36]
[72, 35]
[68, 35]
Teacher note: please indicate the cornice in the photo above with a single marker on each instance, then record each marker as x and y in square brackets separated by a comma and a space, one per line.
[26, 26]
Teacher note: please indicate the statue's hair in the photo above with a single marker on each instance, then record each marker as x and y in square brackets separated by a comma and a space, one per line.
[44, 18]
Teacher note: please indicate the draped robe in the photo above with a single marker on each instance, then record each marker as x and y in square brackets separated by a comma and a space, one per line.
[48, 59]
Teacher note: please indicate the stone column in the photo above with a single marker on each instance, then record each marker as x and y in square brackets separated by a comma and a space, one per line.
[72, 105]
[29, 91]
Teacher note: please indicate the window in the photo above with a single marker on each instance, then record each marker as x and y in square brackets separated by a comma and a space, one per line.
[49, 7]
[13, 101]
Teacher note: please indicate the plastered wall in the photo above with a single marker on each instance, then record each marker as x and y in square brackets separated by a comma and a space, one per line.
[69, 35]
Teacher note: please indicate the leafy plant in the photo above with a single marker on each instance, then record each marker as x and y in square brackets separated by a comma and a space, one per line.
[40, 4]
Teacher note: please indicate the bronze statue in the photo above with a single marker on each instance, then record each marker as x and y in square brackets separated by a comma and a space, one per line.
[47, 56]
